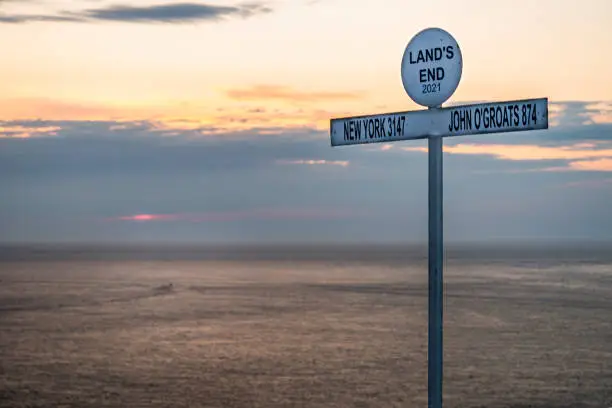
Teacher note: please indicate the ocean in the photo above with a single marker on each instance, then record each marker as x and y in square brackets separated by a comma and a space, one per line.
[330, 326]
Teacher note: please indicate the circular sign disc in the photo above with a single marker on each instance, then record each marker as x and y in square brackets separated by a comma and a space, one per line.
[431, 67]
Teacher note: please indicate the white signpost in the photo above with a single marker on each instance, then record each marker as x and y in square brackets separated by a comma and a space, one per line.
[431, 70]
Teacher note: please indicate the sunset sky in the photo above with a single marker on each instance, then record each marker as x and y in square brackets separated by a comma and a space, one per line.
[144, 120]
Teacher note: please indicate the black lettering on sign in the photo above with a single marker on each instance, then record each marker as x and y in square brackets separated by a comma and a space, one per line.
[431, 54]
[528, 115]
[431, 74]
[485, 118]
[382, 126]
[412, 60]
[467, 119]
[437, 53]
[396, 126]
[422, 56]
[450, 52]
[358, 131]
[349, 130]
[506, 120]
[493, 117]
[461, 119]
[431, 88]
[376, 128]
[499, 116]
[515, 114]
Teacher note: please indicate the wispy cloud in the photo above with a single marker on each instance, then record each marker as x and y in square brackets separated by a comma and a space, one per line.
[108, 180]
[579, 156]
[30, 18]
[230, 216]
[526, 152]
[579, 113]
[604, 164]
[266, 92]
[190, 116]
[8, 130]
[54, 109]
[161, 13]
[342, 163]
[174, 13]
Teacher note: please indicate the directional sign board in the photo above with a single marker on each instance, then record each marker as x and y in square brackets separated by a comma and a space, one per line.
[461, 120]
[431, 67]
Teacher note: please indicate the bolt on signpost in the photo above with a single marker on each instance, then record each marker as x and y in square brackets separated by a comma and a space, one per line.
[431, 69]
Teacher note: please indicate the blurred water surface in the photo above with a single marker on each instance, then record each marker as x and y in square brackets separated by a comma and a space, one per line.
[302, 327]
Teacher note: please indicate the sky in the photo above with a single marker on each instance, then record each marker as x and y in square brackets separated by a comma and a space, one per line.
[208, 122]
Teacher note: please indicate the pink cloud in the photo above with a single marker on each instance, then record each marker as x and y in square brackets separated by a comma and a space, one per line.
[149, 217]
[525, 152]
[229, 216]
[342, 163]
[586, 165]
[23, 132]
[580, 156]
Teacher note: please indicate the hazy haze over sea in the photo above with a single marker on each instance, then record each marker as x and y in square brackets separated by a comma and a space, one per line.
[525, 326]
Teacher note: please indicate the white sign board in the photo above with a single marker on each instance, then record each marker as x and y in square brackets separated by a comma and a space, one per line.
[431, 67]
[494, 117]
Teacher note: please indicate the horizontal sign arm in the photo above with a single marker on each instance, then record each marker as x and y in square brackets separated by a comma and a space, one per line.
[461, 120]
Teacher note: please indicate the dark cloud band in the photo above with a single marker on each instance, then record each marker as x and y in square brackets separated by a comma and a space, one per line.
[162, 13]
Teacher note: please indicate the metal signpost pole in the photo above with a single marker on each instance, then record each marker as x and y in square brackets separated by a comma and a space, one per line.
[431, 69]
[436, 253]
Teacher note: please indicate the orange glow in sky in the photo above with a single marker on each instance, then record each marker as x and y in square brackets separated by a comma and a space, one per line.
[298, 64]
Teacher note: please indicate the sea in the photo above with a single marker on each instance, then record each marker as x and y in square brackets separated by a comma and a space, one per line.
[302, 326]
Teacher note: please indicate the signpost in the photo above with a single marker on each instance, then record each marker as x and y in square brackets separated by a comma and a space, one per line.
[431, 70]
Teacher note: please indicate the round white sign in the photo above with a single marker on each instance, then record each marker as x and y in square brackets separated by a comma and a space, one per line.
[431, 67]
